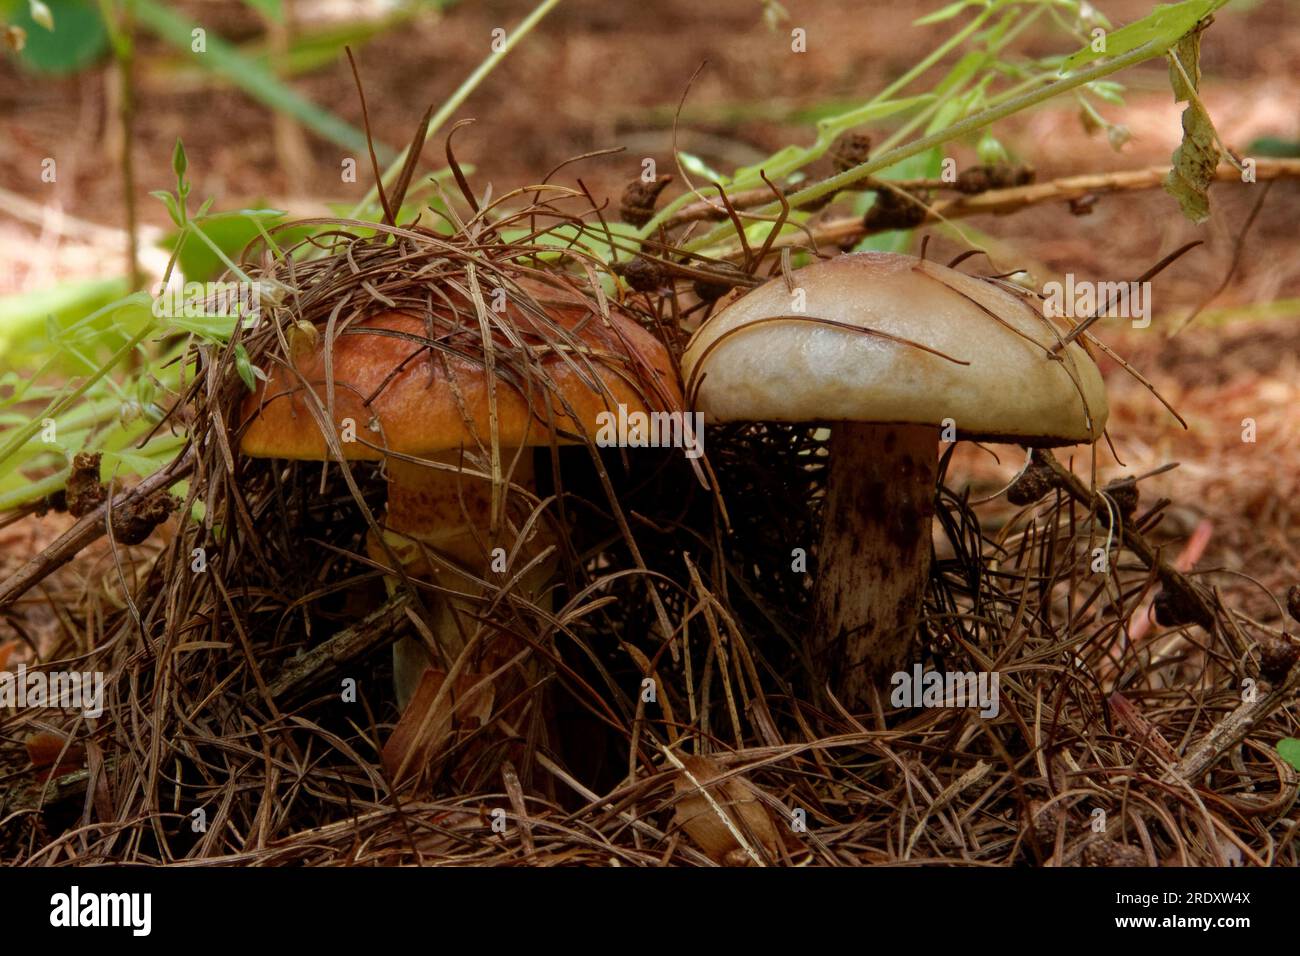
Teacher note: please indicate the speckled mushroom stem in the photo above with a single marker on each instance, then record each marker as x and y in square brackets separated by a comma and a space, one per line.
[874, 558]
[449, 513]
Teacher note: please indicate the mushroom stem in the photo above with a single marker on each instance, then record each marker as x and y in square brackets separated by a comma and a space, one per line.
[874, 558]
[450, 513]
[446, 509]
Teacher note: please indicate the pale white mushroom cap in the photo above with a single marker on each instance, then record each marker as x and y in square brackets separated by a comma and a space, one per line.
[793, 370]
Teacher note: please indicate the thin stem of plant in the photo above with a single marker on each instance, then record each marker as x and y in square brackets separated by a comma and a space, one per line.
[1012, 199]
[971, 124]
[120, 23]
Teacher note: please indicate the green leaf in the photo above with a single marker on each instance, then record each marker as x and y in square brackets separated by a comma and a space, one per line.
[1289, 750]
[232, 232]
[244, 366]
[143, 461]
[168, 200]
[1107, 90]
[959, 107]
[133, 462]
[212, 328]
[962, 70]
[41, 14]
[925, 165]
[32, 323]
[948, 12]
[698, 167]
[146, 390]
[1163, 26]
[870, 113]
[1197, 157]
[72, 38]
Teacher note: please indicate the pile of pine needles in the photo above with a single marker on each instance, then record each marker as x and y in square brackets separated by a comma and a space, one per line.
[247, 704]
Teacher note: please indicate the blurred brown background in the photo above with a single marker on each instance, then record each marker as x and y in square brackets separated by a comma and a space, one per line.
[602, 73]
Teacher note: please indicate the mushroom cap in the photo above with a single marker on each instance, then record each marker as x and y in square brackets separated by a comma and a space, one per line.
[407, 398]
[791, 370]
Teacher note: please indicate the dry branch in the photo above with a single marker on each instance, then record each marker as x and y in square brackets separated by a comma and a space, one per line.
[1186, 589]
[317, 666]
[87, 530]
[843, 231]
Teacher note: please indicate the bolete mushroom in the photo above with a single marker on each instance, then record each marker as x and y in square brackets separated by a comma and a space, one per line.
[456, 423]
[890, 351]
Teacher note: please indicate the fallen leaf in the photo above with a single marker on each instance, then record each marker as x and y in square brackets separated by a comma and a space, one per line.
[1197, 157]
[427, 726]
[736, 797]
[53, 755]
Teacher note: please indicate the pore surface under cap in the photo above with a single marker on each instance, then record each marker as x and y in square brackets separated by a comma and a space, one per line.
[403, 397]
[799, 371]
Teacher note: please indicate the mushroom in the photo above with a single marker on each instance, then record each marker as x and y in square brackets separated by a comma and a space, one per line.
[890, 350]
[422, 395]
